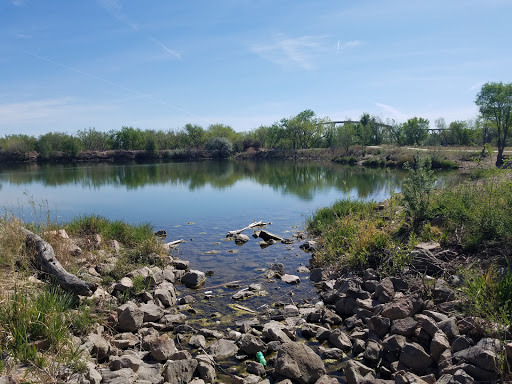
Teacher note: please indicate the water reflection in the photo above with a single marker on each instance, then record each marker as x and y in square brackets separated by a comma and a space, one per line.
[301, 179]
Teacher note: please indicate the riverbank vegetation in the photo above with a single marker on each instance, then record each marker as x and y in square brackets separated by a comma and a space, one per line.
[305, 130]
[473, 219]
[38, 319]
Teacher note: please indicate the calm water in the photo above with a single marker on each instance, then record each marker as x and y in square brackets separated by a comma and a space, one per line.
[200, 202]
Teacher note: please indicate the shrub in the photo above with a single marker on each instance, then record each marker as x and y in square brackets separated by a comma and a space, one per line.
[221, 146]
[417, 188]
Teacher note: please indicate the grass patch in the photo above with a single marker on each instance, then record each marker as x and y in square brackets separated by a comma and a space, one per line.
[36, 322]
[129, 235]
[351, 160]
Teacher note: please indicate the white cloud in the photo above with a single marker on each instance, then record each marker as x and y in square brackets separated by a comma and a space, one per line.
[353, 43]
[299, 51]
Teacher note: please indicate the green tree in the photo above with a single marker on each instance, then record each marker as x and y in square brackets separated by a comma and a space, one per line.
[495, 103]
[220, 145]
[346, 136]
[93, 140]
[129, 138]
[415, 130]
[196, 135]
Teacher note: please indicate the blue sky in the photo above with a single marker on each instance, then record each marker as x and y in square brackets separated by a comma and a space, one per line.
[71, 65]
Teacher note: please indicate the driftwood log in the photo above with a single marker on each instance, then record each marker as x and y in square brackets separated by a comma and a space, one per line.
[252, 225]
[47, 263]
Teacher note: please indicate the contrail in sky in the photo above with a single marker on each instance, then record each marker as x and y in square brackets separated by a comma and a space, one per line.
[338, 49]
[144, 95]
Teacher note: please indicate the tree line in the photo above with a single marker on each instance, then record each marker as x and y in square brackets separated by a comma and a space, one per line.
[303, 131]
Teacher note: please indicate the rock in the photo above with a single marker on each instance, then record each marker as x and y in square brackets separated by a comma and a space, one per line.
[267, 236]
[130, 318]
[414, 356]
[179, 371]
[124, 284]
[327, 380]
[423, 261]
[241, 239]
[438, 345]
[124, 340]
[276, 269]
[402, 308]
[274, 331]
[182, 265]
[437, 316]
[162, 348]
[404, 327]
[121, 376]
[372, 352]
[223, 348]
[166, 294]
[303, 269]
[460, 343]
[355, 372]
[403, 377]
[152, 312]
[318, 274]
[90, 374]
[100, 346]
[479, 356]
[442, 291]
[151, 373]
[332, 353]
[449, 327]
[290, 279]
[197, 341]
[340, 340]
[161, 233]
[193, 279]
[126, 361]
[299, 363]
[384, 290]
[256, 368]
[206, 371]
[251, 344]
[181, 355]
[380, 325]
[427, 323]
[309, 246]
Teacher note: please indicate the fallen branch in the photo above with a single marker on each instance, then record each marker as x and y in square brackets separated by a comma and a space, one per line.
[46, 262]
[252, 225]
[174, 243]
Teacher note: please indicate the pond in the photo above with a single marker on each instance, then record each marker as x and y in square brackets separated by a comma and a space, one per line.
[200, 202]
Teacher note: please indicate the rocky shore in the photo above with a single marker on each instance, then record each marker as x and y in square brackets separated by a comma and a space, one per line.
[360, 328]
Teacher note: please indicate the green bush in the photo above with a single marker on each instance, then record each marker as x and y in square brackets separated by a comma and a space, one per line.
[417, 188]
[221, 146]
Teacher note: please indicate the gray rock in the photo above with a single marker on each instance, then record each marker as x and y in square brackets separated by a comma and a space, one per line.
[223, 348]
[356, 372]
[481, 357]
[197, 341]
[299, 363]
[372, 353]
[267, 236]
[206, 371]
[442, 291]
[152, 312]
[240, 239]
[380, 325]
[274, 331]
[318, 274]
[251, 344]
[90, 374]
[404, 327]
[402, 308]
[124, 284]
[309, 246]
[126, 361]
[414, 357]
[166, 294]
[384, 290]
[427, 323]
[100, 346]
[256, 368]
[121, 376]
[193, 279]
[179, 371]
[162, 348]
[182, 265]
[437, 316]
[449, 327]
[438, 345]
[276, 269]
[290, 279]
[340, 340]
[131, 317]
[150, 373]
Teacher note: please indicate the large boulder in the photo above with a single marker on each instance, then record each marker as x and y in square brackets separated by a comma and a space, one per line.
[414, 357]
[179, 371]
[130, 317]
[193, 279]
[299, 363]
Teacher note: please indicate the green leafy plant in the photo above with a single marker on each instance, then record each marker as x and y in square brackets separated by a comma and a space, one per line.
[417, 188]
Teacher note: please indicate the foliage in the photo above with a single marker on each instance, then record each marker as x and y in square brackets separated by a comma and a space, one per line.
[415, 130]
[93, 140]
[417, 188]
[346, 160]
[129, 235]
[221, 145]
[495, 104]
[50, 143]
[27, 317]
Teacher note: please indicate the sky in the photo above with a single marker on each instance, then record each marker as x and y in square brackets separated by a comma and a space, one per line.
[72, 65]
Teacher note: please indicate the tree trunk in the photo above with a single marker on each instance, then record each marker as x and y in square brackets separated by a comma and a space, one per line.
[47, 263]
[499, 158]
